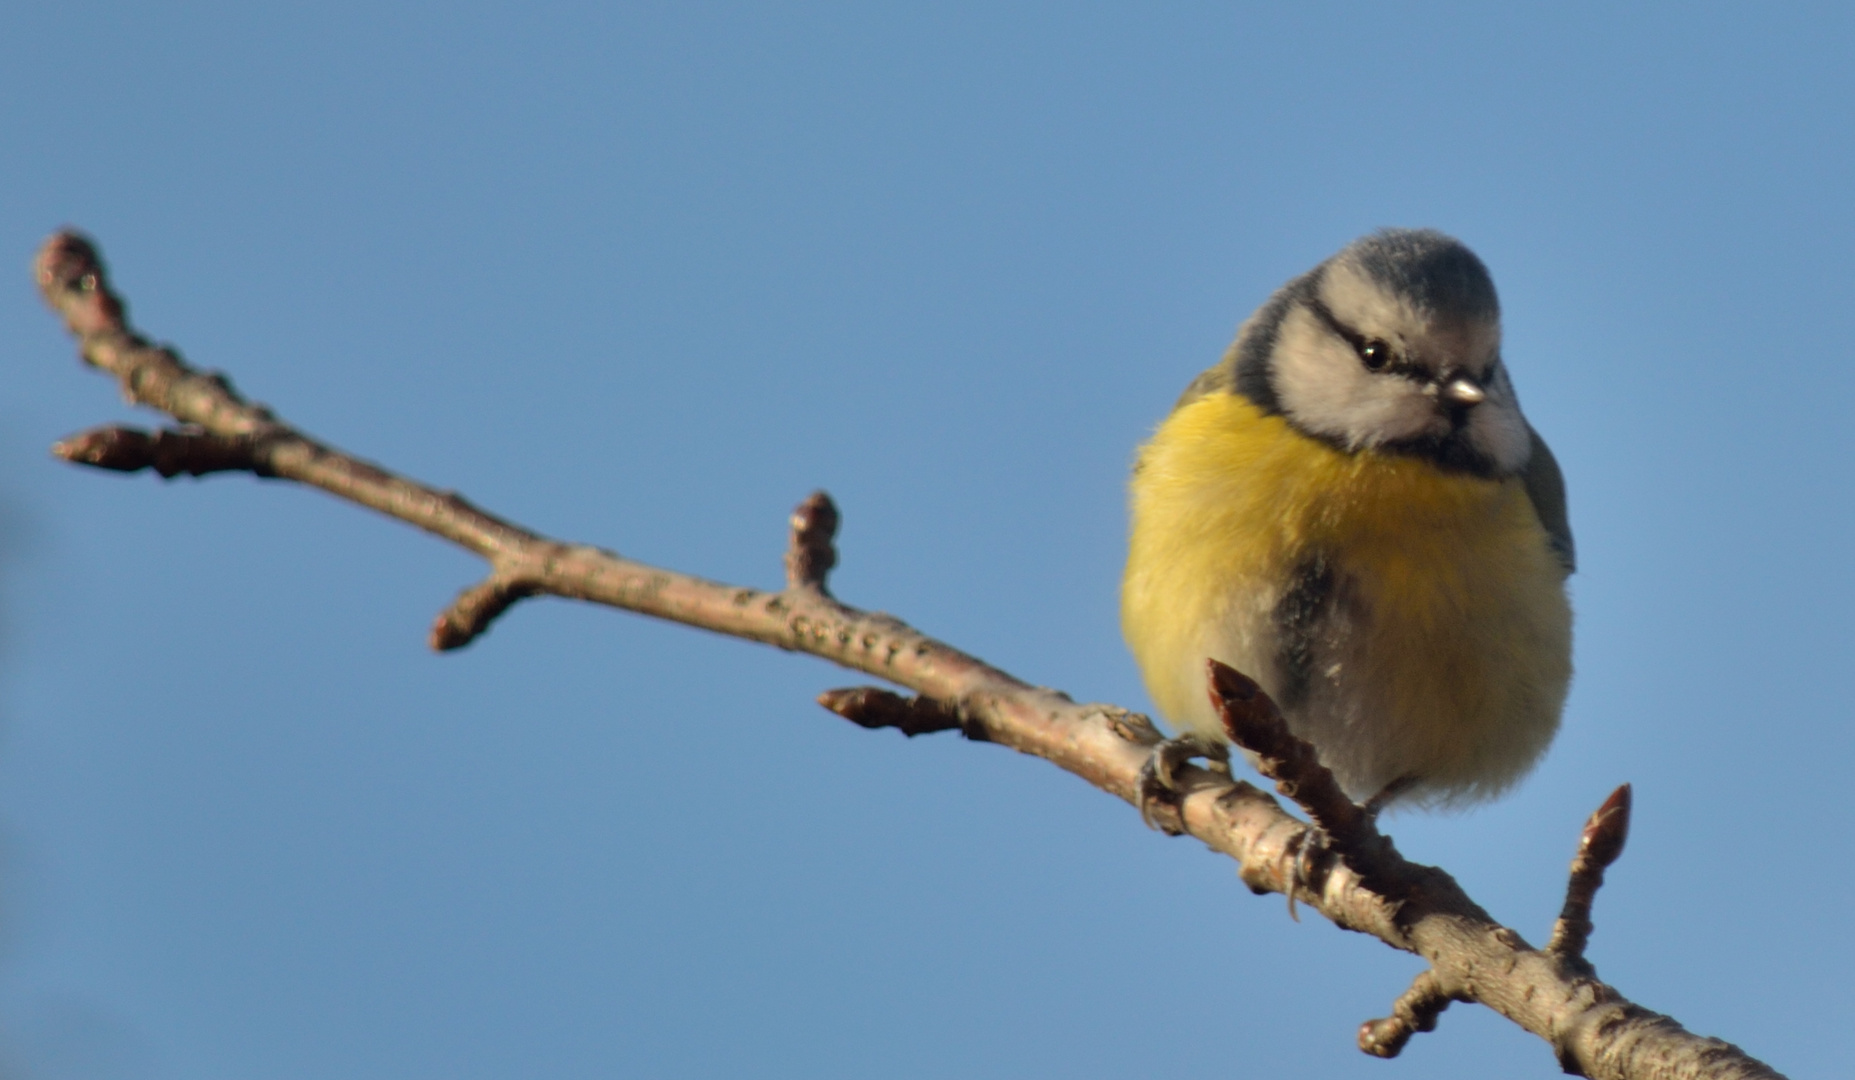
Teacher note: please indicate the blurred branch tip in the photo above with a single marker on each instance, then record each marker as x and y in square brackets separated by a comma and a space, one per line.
[810, 554]
[1415, 1010]
[169, 452]
[1353, 876]
[871, 707]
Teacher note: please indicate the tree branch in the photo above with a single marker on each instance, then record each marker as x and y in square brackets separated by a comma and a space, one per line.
[1351, 873]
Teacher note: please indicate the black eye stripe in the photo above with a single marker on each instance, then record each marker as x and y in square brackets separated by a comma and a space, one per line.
[1374, 354]
[1325, 314]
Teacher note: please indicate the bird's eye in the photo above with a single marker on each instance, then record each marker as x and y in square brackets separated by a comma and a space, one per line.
[1375, 355]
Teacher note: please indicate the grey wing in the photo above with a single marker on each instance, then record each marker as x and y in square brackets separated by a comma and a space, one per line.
[1545, 486]
[1212, 380]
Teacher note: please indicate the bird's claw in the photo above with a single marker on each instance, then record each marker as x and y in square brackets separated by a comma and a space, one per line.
[1159, 783]
[1314, 839]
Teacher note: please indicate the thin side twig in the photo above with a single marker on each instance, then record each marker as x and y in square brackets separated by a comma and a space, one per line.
[475, 609]
[1254, 722]
[872, 707]
[1592, 1028]
[1415, 1010]
[169, 452]
[1598, 846]
[810, 554]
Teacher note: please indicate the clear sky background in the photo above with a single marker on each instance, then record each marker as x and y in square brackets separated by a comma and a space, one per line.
[644, 276]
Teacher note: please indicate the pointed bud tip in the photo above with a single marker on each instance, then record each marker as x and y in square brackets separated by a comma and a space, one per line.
[839, 701]
[1231, 684]
[1608, 828]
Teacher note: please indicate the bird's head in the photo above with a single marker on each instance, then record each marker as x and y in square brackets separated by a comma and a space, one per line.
[1394, 345]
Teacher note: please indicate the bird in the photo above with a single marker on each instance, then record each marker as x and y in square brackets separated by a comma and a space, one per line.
[1351, 508]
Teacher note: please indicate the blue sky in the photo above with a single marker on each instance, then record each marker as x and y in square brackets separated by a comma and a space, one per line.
[645, 275]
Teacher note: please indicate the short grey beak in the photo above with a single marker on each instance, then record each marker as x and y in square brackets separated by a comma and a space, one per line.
[1464, 391]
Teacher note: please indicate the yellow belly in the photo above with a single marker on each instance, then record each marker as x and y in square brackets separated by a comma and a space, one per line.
[1446, 653]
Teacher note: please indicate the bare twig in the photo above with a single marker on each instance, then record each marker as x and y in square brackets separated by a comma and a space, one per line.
[1593, 1029]
[475, 608]
[1343, 830]
[872, 707]
[810, 554]
[1415, 1010]
[1255, 723]
[1598, 846]
[170, 452]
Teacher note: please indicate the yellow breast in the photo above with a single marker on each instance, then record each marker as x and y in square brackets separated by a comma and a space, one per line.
[1444, 654]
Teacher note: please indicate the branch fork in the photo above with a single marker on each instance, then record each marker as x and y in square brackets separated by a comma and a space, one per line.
[1347, 833]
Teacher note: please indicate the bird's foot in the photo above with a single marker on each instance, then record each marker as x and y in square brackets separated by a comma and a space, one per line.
[1301, 871]
[1314, 840]
[1159, 784]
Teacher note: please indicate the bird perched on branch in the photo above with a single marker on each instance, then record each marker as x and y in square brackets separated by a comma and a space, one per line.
[1351, 509]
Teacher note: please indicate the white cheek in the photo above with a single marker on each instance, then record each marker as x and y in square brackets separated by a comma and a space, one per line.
[1324, 389]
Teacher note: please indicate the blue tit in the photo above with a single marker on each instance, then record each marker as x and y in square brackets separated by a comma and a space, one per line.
[1351, 509]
